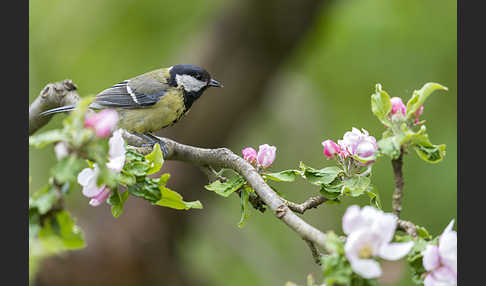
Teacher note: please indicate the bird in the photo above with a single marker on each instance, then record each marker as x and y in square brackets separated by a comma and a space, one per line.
[153, 100]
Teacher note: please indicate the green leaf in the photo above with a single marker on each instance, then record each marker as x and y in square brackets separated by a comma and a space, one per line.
[320, 177]
[430, 153]
[388, 146]
[244, 207]
[156, 159]
[42, 139]
[334, 244]
[419, 96]
[67, 169]
[336, 270]
[59, 233]
[227, 188]
[117, 201]
[174, 200]
[381, 105]
[283, 176]
[422, 232]
[44, 199]
[356, 185]
[374, 199]
[146, 188]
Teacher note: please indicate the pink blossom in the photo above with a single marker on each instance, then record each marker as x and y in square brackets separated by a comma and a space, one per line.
[87, 177]
[370, 232]
[102, 122]
[249, 154]
[398, 107]
[266, 155]
[417, 113]
[440, 261]
[330, 148]
[359, 144]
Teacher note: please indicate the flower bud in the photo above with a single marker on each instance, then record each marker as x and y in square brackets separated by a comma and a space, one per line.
[102, 122]
[417, 113]
[330, 148]
[61, 150]
[249, 154]
[398, 107]
[100, 197]
[266, 155]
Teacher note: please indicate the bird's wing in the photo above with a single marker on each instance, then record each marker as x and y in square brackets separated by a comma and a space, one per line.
[144, 90]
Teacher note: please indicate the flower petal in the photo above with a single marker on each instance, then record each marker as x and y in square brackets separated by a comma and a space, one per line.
[101, 197]
[395, 251]
[448, 249]
[352, 219]
[431, 258]
[85, 176]
[366, 268]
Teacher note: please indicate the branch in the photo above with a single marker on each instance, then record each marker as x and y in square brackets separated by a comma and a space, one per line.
[310, 203]
[53, 95]
[224, 158]
[398, 193]
[408, 227]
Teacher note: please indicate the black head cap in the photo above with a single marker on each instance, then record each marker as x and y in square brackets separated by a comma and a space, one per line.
[191, 77]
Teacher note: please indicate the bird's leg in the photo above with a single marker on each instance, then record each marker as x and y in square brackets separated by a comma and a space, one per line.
[152, 141]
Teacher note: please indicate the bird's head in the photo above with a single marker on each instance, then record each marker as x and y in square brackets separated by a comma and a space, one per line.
[193, 79]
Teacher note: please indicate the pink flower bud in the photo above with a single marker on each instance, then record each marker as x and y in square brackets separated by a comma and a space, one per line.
[102, 122]
[330, 148]
[100, 197]
[249, 154]
[417, 113]
[266, 155]
[398, 106]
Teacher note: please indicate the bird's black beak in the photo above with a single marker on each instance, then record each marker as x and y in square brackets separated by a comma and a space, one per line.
[215, 83]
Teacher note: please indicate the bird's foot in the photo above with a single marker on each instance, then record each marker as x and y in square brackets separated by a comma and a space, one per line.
[152, 140]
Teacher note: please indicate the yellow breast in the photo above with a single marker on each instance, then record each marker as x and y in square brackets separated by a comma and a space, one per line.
[165, 112]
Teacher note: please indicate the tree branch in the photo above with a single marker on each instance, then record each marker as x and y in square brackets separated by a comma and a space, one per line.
[224, 158]
[312, 202]
[398, 193]
[408, 227]
[53, 95]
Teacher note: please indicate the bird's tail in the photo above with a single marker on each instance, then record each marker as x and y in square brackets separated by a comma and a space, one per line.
[58, 110]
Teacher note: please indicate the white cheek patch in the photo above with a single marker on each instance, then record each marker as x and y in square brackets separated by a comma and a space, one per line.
[189, 83]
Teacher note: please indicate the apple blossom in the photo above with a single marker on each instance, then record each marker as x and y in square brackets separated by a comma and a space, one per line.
[398, 108]
[330, 148]
[102, 122]
[266, 155]
[359, 144]
[440, 261]
[87, 177]
[370, 232]
[249, 154]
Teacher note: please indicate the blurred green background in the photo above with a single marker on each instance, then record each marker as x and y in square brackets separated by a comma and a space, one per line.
[319, 90]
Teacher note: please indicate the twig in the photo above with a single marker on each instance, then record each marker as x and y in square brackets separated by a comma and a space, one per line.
[312, 202]
[398, 193]
[408, 227]
[315, 252]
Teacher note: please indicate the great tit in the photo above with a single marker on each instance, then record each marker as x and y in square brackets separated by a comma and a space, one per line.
[153, 100]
